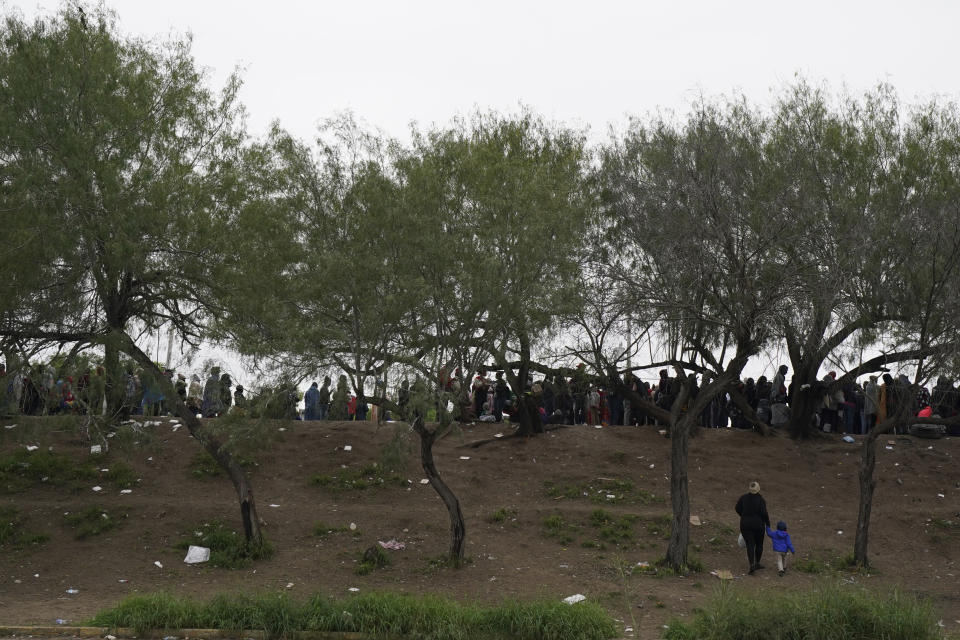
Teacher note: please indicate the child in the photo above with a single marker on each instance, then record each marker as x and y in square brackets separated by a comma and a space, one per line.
[781, 544]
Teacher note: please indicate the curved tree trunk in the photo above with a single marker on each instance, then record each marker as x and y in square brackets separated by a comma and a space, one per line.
[458, 530]
[223, 457]
[114, 378]
[868, 463]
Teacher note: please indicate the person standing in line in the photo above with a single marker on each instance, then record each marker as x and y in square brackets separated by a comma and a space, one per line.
[752, 509]
[323, 401]
[311, 401]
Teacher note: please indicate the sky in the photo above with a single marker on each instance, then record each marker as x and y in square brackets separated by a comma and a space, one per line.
[587, 64]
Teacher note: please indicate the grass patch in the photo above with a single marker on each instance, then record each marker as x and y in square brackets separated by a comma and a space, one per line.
[322, 530]
[826, 612]
[369, 476]
[12, 531]
[615, 529]
[203, 465]
[21, 469]
[824, 564]
[93, 521]
[372, 559]
[601, 491]
[659, 526]
[557, 528]
[502, 515]
[228, 549]
[374, 614]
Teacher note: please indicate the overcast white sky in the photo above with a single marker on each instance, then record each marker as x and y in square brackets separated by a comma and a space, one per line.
[585, 63]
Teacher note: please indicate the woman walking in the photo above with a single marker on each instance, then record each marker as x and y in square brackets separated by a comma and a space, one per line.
[753, 521]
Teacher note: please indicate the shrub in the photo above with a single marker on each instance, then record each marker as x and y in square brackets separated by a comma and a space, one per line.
[93, 521]
[228, 549]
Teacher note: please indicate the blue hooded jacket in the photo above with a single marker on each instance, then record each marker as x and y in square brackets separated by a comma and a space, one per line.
[781, 540]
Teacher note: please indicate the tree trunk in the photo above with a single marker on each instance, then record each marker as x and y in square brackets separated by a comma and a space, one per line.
[114, 387]
[679, 492]
[803, 406]
[223, 457]
[868, 463]
[458, 530]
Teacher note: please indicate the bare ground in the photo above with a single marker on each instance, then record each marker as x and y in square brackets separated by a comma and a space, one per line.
[812, 486]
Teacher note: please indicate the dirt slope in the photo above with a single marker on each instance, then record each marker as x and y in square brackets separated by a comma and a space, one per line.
[812, 486]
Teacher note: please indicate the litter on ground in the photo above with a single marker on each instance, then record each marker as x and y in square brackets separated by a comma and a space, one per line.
[575, 598]
[391, 544]
[197, 554]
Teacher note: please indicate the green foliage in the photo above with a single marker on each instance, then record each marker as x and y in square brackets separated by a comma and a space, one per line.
[557, 528]
[502, 515]
[659, 526]
[599, 491]
[228, 549]
[203, 465]
[93, 521]
[322, 530]
[615, 529]
[371, 559]
[12, 532]
[22, 469]
[369, 476]
[824, 563]
[373, 614]
[828, 612]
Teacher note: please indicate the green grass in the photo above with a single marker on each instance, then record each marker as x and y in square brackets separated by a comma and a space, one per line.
[228, 549]
[828, 612]
[21, 470]
[557, 528]
[601, 491]
[93, 521]
[616, 529]
[372, 559]
[374, 614]
[203, 465]
[369, 476]
[12, 531]
[823, 564]
[659, 526]
[502, 515]
[322, 530]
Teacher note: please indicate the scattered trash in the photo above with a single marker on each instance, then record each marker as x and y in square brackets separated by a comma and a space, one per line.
[169, 637]
[643, 564]
[392, 545]
[96, 448]
[891, 441]
[123, 581]
[126, 490]
[98, 488]
[353, 526]
[723, 574]
[31, 447]
[197, 554]
[104, 470]
[353, 589]
[839, 533]
[575, 598]
[695, 521]
[60, 621]
[71, 590]
[652, 466]
[274, 505]
[464, 457]
[175, 427]
[424, 481]
[10, 426]
[109, 637]
[940, 495]
[596, 426]
[496, 435]
[611, 496]
[150, 459]
[36, 575]
[848, 439]
[157, 564]
[889, 448]
[347, 447]
[289, 585]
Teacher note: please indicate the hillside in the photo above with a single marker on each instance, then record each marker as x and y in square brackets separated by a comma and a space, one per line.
[531, 511]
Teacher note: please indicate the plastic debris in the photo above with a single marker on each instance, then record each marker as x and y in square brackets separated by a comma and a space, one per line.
[575, 598]
[289, 585]
[353, 526]
[347, 447]
[123, 581]
[157, 564]
[197, 554]
[940, 495]
[695, 521]
[848, 439]
[424, 481]
[71, 590]
[889, 448]
[31, 447]
[722, 574]
[97, 488]
[839, 533]
[353, 589]
[60, 621]
[643, 564]
[175, 427]
[109, 637]
[393, 545]
[652, 466]
[611, 496]
[464, 457]
[126, 490]
[96, 448]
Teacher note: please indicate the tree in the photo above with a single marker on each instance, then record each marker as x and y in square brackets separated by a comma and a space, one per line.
[120, 173]
[693, 224]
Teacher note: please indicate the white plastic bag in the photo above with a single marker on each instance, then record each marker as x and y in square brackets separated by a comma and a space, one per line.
[741, 542]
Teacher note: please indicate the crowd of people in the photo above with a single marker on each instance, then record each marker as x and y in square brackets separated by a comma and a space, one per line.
[848, 407]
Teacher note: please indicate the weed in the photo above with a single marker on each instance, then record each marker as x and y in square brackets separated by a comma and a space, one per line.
[601, 491]
[371, 559]
[556, 528]
[322, 530]
[369, 476]
[618, 530]
[93, 521]
[12, 532]
[827, 611]
[22, 469]
[203, 465]
[501, 515]
[659, 526]
[821, 564]
[228, 549]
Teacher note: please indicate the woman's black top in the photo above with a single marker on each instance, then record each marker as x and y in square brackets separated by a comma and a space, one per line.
[753, 511]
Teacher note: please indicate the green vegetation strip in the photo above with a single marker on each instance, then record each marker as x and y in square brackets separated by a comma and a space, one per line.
[378, 615]
[829, 612]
